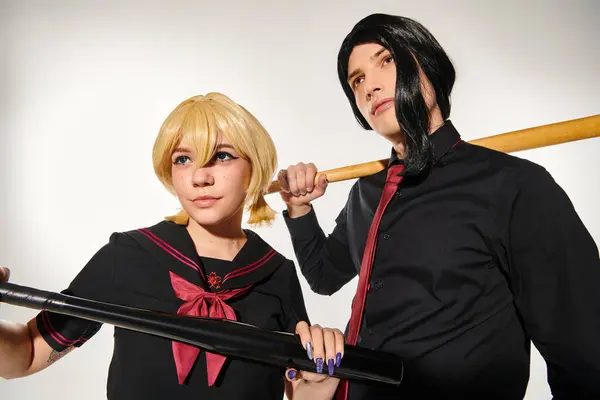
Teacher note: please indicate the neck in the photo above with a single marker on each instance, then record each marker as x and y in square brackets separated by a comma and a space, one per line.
[222, 241]
[435, 122]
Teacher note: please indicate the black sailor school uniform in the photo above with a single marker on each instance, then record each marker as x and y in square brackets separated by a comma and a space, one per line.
[158, 269]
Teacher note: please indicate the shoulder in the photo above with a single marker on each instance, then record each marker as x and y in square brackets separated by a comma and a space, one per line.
[364, 188]
[129, 241]
[163, 229]
[284, 267]
[366, 182]
[498, 158]
[517, 169]
[287, 270]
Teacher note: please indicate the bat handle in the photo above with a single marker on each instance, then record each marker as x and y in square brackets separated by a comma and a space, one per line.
[342, 173]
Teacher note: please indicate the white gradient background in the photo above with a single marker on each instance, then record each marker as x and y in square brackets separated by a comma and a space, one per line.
[84, 87]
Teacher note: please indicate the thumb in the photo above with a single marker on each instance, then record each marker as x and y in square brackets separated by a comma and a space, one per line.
[285, 196]
[4, 274]
[291, 374]
[322, 184]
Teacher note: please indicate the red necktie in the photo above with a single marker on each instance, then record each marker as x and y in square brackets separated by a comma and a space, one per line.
[196, 304]
[358, 304]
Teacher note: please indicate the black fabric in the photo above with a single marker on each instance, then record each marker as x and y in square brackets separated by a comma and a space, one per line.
[474, 258]
[125, 272]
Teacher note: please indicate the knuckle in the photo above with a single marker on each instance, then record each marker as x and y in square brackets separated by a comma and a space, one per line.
[302, 323]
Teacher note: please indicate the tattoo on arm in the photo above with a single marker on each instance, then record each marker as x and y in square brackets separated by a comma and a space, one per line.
[57, 355]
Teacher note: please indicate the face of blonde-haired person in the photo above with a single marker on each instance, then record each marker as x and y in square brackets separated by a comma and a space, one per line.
[215, 193]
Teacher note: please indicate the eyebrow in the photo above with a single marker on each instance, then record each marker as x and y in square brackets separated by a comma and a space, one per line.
[358, 71]
[225, 146]
[182, 150]
[186, 150]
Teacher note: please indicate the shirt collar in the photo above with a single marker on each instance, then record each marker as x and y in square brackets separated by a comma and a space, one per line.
[442, 140]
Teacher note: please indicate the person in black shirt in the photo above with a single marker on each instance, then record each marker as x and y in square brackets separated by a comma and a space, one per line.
[216, 158]
[477, 254]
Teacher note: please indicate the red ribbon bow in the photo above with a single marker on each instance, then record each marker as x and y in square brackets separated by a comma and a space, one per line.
[200, 303]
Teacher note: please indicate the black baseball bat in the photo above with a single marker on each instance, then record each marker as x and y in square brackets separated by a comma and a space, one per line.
[221, 336]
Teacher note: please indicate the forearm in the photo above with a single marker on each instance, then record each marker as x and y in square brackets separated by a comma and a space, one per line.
[23, 350]
[325, 261]
[16, 350]
[298, 211]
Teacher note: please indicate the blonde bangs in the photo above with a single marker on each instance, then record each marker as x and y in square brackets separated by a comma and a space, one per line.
[251, 141]
[194, 120]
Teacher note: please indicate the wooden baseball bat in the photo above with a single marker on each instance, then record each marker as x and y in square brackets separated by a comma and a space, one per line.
[524, 139]
[221, 336]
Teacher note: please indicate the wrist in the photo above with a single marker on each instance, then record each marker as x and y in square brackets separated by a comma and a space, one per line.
[298, 211]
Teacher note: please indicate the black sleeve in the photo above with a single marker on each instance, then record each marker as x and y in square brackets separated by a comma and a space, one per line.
[555, 278]
[94, 282]
[296, 309]
[325, 261]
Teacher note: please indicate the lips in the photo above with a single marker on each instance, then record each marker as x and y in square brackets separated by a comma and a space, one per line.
[381, 105]
[204, 201]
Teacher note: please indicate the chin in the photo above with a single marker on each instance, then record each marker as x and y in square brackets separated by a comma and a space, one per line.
[387, 127]
[206, 217]
[210, 217]
[391, 133]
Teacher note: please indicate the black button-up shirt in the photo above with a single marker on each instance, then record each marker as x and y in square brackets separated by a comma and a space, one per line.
[475, 258]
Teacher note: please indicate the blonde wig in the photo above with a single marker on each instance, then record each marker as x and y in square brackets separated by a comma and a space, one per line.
[203, 119]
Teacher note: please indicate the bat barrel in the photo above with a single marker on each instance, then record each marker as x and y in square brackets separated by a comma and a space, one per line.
[524, 139]
[229, 338]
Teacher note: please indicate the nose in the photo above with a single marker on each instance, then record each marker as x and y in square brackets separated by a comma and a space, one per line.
[203, 177]
[372, 86]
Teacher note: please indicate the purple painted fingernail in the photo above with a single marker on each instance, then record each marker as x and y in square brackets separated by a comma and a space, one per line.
[309, 350]
[319, 365]
[291, 374]
[338, 359]
[330, 367]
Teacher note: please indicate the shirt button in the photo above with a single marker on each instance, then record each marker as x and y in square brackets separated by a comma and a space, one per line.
[371, 332]
[386, 236]
[378, 284]
[398, 193]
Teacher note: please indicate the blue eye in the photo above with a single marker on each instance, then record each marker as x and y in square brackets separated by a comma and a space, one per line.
[182, 160]
[224, 156]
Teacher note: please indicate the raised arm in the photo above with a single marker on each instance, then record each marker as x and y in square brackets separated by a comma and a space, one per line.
[324, 260]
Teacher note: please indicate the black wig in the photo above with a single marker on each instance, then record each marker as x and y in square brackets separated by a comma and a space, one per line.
[412, 46]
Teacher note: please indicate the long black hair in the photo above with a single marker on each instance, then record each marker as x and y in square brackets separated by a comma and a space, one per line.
[412, 46]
